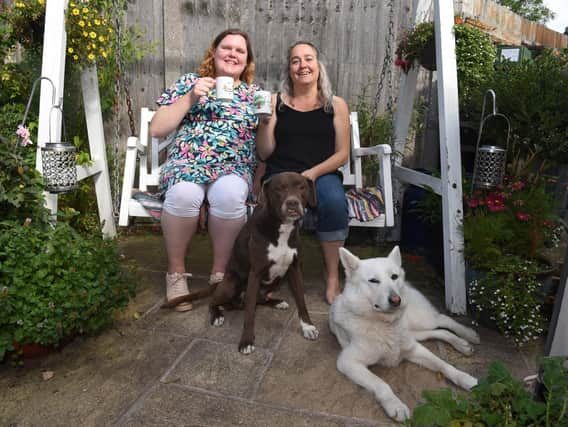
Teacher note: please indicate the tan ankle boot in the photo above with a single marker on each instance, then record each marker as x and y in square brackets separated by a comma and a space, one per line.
[176, 291]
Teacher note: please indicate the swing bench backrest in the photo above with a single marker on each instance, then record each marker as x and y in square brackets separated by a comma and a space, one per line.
[145, 155]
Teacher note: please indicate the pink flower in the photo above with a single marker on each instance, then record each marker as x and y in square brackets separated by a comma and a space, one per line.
[495, 202]
[24, 134]
[522, 216]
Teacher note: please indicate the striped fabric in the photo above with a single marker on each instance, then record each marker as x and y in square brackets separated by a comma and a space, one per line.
[365, 204]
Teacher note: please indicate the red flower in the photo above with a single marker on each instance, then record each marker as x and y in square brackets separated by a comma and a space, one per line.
[516, 186]
[458, 20]
[549, 224]
[405, 65]
[495, 202]
[522, 216]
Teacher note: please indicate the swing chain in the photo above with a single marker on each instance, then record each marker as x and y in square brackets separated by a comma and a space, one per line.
[120, 86]
[119, 71]
[387, 65]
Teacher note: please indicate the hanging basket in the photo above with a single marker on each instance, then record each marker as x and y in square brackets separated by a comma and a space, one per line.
[59, 167]
[427, 57]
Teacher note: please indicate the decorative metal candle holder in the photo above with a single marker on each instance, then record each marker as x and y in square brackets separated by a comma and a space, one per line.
[58, 158]
[59, 167]
[490, 160]
[489, 168]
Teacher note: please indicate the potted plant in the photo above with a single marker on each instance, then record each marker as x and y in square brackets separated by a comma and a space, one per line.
[415, 45]
[505, 231]
[475, 54]
[54, 282]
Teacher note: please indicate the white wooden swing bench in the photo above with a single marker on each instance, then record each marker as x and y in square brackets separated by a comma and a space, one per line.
[144, 156]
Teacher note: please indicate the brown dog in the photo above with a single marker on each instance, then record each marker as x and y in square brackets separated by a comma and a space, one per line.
[266, 250]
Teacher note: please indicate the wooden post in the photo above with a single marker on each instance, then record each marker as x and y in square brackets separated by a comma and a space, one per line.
[450, 157]
[449, 186]
[52, 66]
[99, 169]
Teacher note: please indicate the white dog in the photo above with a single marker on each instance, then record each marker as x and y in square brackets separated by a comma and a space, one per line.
[379, 319]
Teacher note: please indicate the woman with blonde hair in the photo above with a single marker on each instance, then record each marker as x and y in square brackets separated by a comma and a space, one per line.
[308, 133]
[212, 156]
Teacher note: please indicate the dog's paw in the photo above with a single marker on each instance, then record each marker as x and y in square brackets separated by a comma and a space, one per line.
[466, 381]
[310, 332]
[472, 336]
[282, 305]
[218, 321]
[246, 348]
[463, 347]
[396, 409]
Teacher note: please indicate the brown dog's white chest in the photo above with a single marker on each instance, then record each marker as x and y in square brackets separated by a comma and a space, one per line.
[280, 254]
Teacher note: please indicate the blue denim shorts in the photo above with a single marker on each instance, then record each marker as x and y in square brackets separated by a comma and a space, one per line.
[331, 212]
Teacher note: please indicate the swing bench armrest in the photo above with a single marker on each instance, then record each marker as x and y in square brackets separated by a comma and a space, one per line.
[377, 150]
[383, 153]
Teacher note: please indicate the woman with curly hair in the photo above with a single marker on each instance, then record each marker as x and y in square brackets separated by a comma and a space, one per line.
[212, 156]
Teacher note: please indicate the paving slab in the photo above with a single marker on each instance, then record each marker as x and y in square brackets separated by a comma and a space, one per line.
[170, 405]
[95, 379]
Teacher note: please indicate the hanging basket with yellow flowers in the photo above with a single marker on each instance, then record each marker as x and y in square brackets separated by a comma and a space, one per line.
[90, 37]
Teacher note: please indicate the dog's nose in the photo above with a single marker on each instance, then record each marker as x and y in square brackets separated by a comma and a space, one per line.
[394, 300]
[292, 204]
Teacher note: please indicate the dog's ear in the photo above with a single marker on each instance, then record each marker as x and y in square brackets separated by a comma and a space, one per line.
[261, 201]
[311, 193]
[395, 256]
[349, 261]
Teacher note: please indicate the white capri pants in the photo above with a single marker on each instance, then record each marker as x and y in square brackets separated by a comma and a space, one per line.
[226, 195]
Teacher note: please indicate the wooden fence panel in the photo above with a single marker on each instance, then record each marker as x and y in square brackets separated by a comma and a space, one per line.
[349, 33]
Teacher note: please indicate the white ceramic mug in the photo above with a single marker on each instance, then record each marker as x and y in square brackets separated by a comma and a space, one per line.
[262, 103]
[224, 87]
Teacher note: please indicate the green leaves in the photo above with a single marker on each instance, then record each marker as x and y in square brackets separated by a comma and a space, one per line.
[534, 96]
[55, 283]
[498, 400]
[441, 404]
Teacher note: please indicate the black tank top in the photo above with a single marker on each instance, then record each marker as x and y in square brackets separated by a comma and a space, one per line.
[303, 139]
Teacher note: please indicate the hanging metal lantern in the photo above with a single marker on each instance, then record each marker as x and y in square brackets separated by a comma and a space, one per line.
[489, 169]
[59, 167]
[59, 162]
[490, 160]
[58, 158]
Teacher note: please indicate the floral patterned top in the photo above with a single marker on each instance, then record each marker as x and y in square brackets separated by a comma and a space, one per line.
[214, 138]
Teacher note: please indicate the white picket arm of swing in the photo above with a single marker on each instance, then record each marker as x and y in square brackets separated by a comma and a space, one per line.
[146, 154]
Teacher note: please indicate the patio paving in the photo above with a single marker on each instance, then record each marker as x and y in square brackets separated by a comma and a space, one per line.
[158, 368]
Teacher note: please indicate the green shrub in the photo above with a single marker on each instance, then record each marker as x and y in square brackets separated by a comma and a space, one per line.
[55, 283]
[534, 96]
[499, 400]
